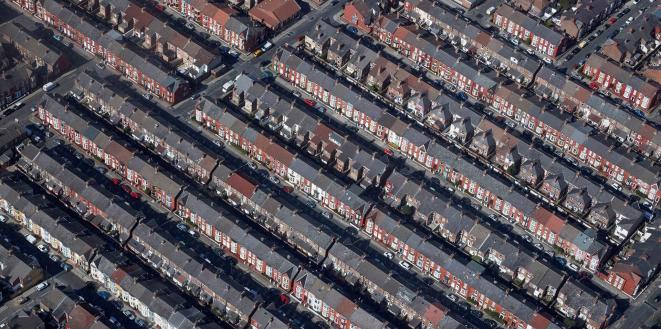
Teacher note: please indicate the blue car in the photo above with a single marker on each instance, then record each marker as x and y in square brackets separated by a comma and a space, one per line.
[352, 29]
[103, 294]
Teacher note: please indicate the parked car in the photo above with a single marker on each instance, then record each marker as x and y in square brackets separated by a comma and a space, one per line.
[309, 102]
[103, 294]
[42, 248]
[452, 298]
[573, 267]
[129, 314]
[31, 238]
[42, 286]
[388, 254]
[311, 203]
[404, 265]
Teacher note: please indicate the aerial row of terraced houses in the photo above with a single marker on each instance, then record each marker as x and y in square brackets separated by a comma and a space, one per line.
[185, 202]
[499, 181]
[553, 126]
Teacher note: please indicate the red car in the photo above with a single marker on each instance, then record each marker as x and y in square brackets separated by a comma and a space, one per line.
[612, 20]
[309, 102]
[388, 152]
[115, 181]
[288, 189]
[126, 188]
[159, 7]
[135, 195]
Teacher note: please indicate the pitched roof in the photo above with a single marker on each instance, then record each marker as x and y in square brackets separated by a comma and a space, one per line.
[273, 13]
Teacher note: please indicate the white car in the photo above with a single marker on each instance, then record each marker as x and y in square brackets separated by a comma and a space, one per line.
[42, 286]
[3, 219]
[572, 267]
[182, 227]
[42, 248]
[452, 298]
[388, 254]
[404, 265]
[31, 238]
[617, 186]
[266, 46]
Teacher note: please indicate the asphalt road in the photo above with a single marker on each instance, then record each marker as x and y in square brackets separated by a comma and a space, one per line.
[252, 66]
[644, 310]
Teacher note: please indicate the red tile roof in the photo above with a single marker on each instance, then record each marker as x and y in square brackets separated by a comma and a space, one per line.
[142, 18]
[434, 314]
[80, 318]
[218, 13]
[539, 322]
[628, 273]
[273, 13]
[241, 184]
[549, 220]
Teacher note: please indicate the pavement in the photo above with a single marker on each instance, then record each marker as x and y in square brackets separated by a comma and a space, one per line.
[643, 312]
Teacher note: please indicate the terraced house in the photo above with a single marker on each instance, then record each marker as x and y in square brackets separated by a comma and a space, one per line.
[541, 38]
[227, 23]
[604, 74]
[105, 45]
[114, 154]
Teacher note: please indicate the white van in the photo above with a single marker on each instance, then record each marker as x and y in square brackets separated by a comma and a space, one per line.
[266, 46]
[49, 86]
[228, 85]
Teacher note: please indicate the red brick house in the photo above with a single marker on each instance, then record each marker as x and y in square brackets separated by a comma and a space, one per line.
[227, 23]
[361, 14]
[137, 69]
[97, 144]
[636, 90]
[541, 38]
[236, 240]
[323, 299]
[275, 14]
